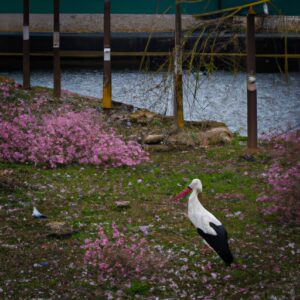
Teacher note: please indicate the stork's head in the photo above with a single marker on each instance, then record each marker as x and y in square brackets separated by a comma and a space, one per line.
[195, 185]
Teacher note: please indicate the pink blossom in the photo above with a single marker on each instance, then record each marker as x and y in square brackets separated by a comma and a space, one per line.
[103, 266]
[104, 242]
[283, 178]
[116, 232]
[144, 229]
[120, 260]
[63, 137]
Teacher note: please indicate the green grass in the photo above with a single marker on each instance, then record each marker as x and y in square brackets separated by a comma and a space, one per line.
[140, 288]
[84, 197]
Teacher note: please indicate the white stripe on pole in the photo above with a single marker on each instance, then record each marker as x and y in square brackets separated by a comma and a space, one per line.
[55, 39]
[107, 54]
[25, 33]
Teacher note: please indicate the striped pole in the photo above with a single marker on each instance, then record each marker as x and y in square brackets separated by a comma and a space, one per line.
[251, 82]
[26, 46]
[106, 101]
[56, 52]
[177, 78]
[286, 60]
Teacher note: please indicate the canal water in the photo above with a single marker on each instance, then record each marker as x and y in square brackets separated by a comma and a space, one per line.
[220, 96]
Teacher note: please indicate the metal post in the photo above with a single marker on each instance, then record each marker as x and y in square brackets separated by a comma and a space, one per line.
[106, 101]
[178, 96]
[26, 46]
[56, 50]
[251, 82]
[286, 60]
[220, 4]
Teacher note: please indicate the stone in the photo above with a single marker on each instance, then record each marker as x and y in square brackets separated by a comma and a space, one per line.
[122, 204]
[184, 139]
[219, 136]
[6, 172]
[56, 226]
[181, 139]
[157, 148]
[205, 124]
[142, 116]
[60, 230]
[154, 139]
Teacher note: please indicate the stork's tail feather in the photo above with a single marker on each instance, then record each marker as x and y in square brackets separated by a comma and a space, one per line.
[225, 254]
[219, 242]
[227, 257]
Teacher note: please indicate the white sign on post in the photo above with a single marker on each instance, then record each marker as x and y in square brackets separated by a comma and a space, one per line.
[56, 39]
[107, 54]
[25, 33]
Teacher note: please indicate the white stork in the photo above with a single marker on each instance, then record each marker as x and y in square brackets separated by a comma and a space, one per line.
[208, 226]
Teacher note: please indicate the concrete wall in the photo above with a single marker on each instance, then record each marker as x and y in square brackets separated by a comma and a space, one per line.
[94, 23]
[133, 23]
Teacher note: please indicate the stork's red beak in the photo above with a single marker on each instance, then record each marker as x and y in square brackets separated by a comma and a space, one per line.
[183, 193]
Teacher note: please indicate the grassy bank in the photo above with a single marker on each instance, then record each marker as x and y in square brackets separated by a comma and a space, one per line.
[35, 263]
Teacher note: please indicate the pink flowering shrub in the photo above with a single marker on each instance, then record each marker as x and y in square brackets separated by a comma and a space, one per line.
[283, 178]
[8, 87]
[121, 258]
[62, 137]
[5, 90]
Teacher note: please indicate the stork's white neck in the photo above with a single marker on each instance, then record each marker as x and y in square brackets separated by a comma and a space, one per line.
[196, 213]
[194, 202]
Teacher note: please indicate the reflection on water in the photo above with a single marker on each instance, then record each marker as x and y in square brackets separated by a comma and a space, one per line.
[221, 96]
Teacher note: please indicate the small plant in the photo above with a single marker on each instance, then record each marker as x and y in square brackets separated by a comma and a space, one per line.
[283, 178]
[122, 258]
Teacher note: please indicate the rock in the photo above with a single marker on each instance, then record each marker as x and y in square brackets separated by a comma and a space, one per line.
[201, 139]
[183, 139]
[157, 148]
[219, 135]
[56, 226]
[9, 246]
[154, 139]
[205, 124]
[6, 172]
[135, 137]
[117, 117]
[60, 230]
[122, 204]
[142, 116]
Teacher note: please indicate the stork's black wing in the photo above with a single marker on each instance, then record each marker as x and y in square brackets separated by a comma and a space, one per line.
[218, 242]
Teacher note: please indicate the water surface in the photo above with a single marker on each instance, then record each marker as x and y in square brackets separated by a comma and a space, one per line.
[221, 96]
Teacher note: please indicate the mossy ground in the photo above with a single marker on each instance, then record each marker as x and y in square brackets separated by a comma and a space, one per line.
[84, 197]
